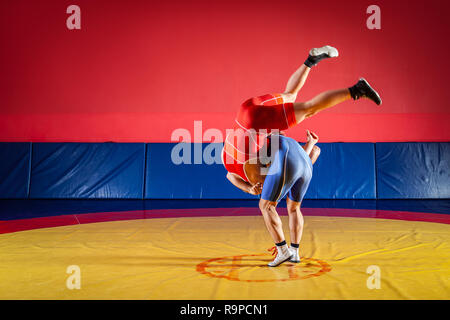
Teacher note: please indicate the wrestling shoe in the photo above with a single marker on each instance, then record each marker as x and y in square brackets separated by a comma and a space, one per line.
[282, 255]
[363, 89]
[325, 52]
[317, 54]
[295, 256]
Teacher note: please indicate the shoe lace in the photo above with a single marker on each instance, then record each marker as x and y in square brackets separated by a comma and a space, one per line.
[274, 251]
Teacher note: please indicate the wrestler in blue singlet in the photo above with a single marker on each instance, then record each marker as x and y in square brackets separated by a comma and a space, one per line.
[290, 171]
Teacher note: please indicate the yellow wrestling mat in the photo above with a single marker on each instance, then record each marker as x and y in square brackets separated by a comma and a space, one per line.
[225, 258]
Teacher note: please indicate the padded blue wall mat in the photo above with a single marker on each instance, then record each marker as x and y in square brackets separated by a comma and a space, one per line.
[413, 170]
[165, 179]
[87, 170]
[344, 171]
[14, 169]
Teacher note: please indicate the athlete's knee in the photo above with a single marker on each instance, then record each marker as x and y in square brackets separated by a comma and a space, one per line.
[266, 206]
[293, 207]
[289, 97]
[268, 210]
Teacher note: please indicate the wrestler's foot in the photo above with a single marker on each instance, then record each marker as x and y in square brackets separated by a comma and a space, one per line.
[318, 54]
[295, 256]
[283, 255]
[363, 89]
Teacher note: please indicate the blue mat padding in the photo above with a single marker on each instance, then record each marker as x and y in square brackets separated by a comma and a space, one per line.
[344, 171]
[88, 170]
[14, 169]
[185, 172]
[413, 170]
[194, 171]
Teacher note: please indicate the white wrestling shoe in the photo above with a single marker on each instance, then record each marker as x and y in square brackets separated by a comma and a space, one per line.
[326, 51]
[283, 255]
[295, 256]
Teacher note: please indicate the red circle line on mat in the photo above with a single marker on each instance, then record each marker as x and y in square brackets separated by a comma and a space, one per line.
[9, 226]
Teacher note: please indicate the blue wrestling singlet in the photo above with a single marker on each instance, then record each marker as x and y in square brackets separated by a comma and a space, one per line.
[290, 171]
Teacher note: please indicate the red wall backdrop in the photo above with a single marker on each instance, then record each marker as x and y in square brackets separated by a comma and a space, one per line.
[137, 70]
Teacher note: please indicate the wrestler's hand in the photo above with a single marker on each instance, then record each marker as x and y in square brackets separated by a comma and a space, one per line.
[312, 137]
[255, 189]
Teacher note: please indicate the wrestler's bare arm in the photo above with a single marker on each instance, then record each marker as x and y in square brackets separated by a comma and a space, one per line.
[311, 140]
[310, 146]
[244, 185]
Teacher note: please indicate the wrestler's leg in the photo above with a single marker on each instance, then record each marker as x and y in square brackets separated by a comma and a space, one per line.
[273, 189]
[280, 116]
[295, 83]
[272, 220]
[328, 99]
[320, 102]
[298, 78]
[275, 227]
[296, 224]
[295, 221]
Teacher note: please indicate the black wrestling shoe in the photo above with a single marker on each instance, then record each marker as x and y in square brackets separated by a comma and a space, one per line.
[363, 89]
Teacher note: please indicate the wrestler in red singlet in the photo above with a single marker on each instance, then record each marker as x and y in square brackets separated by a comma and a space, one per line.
[289, 173]
[263, 114]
